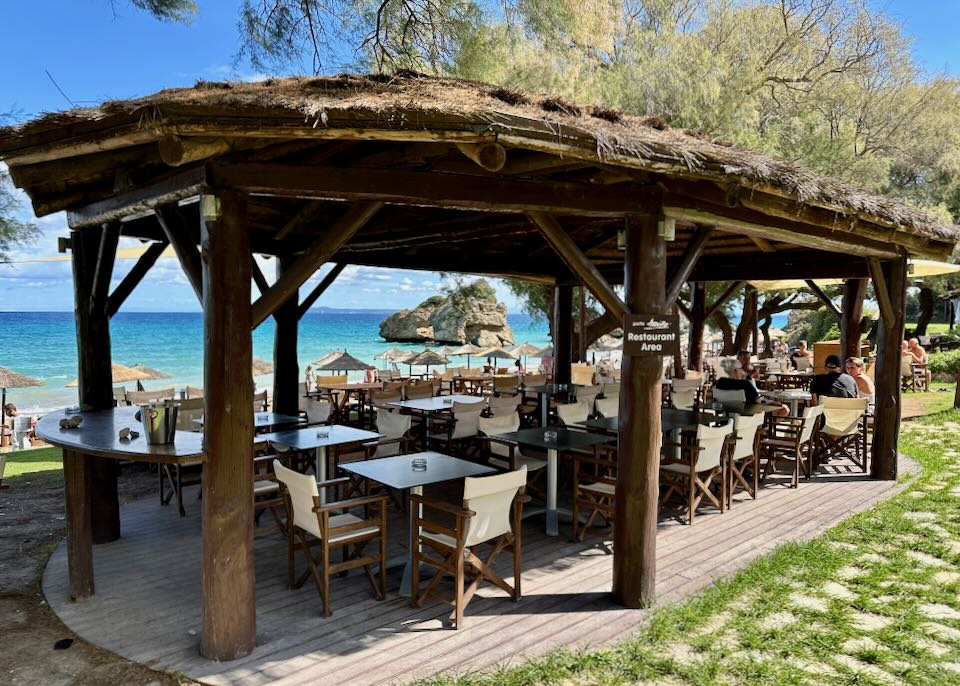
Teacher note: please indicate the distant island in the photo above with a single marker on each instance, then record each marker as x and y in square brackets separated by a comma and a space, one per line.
[469, 314]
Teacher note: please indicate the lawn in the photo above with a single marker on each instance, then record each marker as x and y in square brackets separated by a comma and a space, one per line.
[874, 601]
[27, 461]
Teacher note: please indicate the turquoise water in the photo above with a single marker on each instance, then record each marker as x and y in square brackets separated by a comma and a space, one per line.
[43, 345]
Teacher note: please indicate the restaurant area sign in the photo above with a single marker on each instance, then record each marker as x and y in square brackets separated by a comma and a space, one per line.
[648, 335]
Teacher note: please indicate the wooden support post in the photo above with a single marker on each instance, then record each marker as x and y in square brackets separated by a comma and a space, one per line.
[324, 284]
[698, 319]
[582, 326]
[258, 278]
[886, 430]
[182, 240]
[228, 616]
[286, 371]
[755, 333]
[638, 462]
[95, 377]
[562, 332]
[76, 490]
[851, 313]
[134, 277]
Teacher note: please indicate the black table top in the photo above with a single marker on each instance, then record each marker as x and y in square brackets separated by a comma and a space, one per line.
[437, 403]
[566, 439]
[307, 438]
[552, 388]
[672, 419]
[397, 472]
[262, 420]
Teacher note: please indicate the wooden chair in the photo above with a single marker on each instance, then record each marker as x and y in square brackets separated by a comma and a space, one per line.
[418, 390]
[685, 393]
[582, 374]
[744, 454]
[143, 397]
[395, 439]
[260, 402]
[844, 431]
[187, 411]
[571, 414]
[502, 453]
[793, 440]
[504, 405]
[491, 511]
[266, 495]
[506, 386]
[608, 407]
[311, 524]
[120, 396]
[588, 394]
[462, 427]
[691, 473]
[594, 485]
[318, 411]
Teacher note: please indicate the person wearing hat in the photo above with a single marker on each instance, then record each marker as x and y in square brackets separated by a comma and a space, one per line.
[833, 384]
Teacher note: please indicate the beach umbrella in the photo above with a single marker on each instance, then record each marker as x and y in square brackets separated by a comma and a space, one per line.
[12, 379]
[154, 374]
[393, 355]
[426, 359]
[544, 352]
[525, 349]
[338, 361]
[498, 353]
[261, 367]
[120, 374]
[467, 349]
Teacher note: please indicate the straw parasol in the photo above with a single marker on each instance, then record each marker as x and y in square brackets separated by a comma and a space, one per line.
[544, 352]
[427, 359]
[525, 349]
[497, 353]
[261, 367]
[120, 374]
[393, 355]
[12, 379]
[467, 349]
[155, 374]
[338, 361]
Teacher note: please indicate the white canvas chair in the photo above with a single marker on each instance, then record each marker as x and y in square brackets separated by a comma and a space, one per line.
[843, 433]
[22, 428]
[685, 393]
[588, 394]
[504, 405]
[582, 374]
[331, 525]
[318, 411]
[120, 396]
[608, 407]
[691, 474]
[142, 397]
[792, 440]
[187, 411]
[506, 386]
[505, 454]
[394, 429]
[491, 511]
[464, 425]
[803, 363]
[745, 453]
[573, 413]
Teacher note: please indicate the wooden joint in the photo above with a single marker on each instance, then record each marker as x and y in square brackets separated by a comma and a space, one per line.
[491, 156]
[175, 150]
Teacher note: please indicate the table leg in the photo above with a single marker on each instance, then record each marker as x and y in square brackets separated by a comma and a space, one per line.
[544, 410]
[552, 529]
[406, 583]
[320, 469]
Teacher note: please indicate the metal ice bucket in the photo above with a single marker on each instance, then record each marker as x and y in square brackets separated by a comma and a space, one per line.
[159, 422]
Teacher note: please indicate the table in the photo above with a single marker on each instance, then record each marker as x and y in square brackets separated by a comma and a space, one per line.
[670, 420]
[397, 472]
[312, 438]
[430, 406]
[267, 420]
[546, 392]
[792, 396]
[362, 390]
[566, 440]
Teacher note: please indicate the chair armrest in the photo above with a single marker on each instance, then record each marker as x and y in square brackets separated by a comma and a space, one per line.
[352, 502]
[496, 439]
[442, 506]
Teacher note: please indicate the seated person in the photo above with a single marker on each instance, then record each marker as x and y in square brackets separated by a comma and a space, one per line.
[920, 357]
[833, 384]
[856, 368]
[739, 381]
[746, 366]
[801, 351]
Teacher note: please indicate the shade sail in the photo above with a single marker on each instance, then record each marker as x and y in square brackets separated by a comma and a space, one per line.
[340, 361]
[120, 374]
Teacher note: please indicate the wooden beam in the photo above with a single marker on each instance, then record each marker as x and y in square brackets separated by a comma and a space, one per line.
[851, 309]
[183, 244]
[324, 284]
[258, 278]
[724, 297]
[697, 316]
[682, 309]
[763, 244]
[887, 377]
[689, 260]
[176, 150]
[306, 214]
[106, 257]
[185, 184]
[824, 298]
[491, 156]
[321, 251]
[562, 332]
[880, 290]
[638, 458]
[578, 263]
[228, 614]
[405, 187]
[134, 277]
[785, 264]
[286, 372]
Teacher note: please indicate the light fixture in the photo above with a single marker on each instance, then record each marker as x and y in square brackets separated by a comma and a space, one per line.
[622, 234]
[910, 267]
[667, 228]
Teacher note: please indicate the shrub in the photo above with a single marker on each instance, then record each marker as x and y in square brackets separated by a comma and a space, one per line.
[945, 364]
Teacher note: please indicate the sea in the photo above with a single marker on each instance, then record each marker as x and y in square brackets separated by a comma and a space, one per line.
[43, 345]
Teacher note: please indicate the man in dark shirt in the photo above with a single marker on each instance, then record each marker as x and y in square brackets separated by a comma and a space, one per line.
[833, 384]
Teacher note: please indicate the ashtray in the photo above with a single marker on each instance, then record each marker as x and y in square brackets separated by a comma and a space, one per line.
[550, 436]
[323, 433]
[418, 464]
[448, 401]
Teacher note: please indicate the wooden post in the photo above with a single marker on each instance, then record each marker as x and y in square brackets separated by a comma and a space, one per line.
[638, 462]
[582, 326]
[228, 615]
[851, 312]
[286, 371]
[562, 332]
[90, 247]
[755, 333]
[886, 430]
[698, 320]
[76, 490]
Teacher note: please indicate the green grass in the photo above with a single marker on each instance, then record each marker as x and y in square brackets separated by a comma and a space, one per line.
[781, 621]
[23, 462]
[938, 399]
[933, 328]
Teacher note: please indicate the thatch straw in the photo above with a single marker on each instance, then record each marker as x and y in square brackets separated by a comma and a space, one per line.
[12, 379]
[120, 374]
[340, 362]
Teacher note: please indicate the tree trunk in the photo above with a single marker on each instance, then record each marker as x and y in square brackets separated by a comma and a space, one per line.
[851, 316]
[956, 393]
[720, 320]
[765, 332]
[698, 304]
[747, 319]
[926, 311]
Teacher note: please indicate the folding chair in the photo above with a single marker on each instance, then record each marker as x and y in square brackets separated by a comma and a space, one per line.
[571, 414]
[793, 440]
[745, 454]
[844, 431]
[491, 511]
[608, 407]
[594, 484]
[691, 474]
[266, 495]
[312, 524]
[685, 393]
[504, 405]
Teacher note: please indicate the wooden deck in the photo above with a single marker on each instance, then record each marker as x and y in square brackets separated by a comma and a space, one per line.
[147, 604]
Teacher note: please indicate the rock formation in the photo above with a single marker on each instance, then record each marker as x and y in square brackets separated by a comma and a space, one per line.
[471, 314]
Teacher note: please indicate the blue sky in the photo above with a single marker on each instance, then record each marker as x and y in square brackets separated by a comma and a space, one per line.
[97, 49]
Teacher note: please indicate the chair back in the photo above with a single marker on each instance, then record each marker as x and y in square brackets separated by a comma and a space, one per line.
[491, 499]
[318, 411]
[301, 489]
[393, 424]
[711, 440]
[582, 374]
[734, 396]
[810, 416]
[193, 392]
[803, 363]
[746, 426]
[506, 385]
[260, 401]
[684, 393]
[120, 395]
[693, 374]
[608, 407]
[142, 397]
[419, 390]
[394, 374]
[841, 416]
[447, 375]
[467, 416]
[906, 366]
[534, 379]
[572, 413]
[611, 389]
[497, 425]
[381, 398]
[330, 379]
[189, 409]
[505, 405]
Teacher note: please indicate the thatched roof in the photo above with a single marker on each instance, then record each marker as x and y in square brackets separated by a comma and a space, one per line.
[426, 108]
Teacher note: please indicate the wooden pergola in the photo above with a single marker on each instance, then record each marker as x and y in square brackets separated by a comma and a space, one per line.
[430, 174]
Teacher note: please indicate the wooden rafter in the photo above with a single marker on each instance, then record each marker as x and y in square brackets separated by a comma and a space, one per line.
[763, 244]
[824, 298]
[258, 278]
[106, 257]
[134, 277]
[307, 213]
[687, 263]
[880, 290]
[183, 244]
[318, 290]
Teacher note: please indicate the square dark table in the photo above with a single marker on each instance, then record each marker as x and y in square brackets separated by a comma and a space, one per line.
[430, 406]
[267, 420]
[566, 440]
[397, 472]
[547, 391]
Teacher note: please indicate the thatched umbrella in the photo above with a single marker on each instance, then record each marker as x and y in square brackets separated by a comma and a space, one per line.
[120, 374]
[338, 361]
[498, 353]
[525, 349]
[467, 349]
[261, 367]
[393, 355]
[426, 359]
[544, 352]
[12, 379]
[155, 374]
